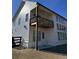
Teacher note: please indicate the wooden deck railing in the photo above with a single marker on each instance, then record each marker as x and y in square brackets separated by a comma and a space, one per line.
[16, 41]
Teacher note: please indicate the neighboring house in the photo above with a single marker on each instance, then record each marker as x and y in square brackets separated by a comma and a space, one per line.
[32, 18]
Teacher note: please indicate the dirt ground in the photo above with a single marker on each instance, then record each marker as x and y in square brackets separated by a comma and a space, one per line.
[33, 54]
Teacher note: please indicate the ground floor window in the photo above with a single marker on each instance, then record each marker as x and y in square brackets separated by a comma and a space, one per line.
[43, 35]
[34, 35]
[62, 35]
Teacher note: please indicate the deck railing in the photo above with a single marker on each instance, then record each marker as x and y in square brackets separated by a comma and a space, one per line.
[16, 41]
[42, 22]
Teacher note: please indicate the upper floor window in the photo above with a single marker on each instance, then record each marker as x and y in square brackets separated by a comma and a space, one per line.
[26, 19]
[19, 21]
[57, 26]
[61, 27]
[57, 18]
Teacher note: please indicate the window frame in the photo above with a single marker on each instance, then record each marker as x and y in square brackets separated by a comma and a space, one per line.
[19, 21]
[43, 35]
[26, 17]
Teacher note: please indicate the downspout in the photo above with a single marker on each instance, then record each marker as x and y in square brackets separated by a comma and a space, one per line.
[36, 40]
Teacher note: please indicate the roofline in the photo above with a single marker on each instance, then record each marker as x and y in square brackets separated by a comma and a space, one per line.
[51, 11]
[21, 6]
[18, 10]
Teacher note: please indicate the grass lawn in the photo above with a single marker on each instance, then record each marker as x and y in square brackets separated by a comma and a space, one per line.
[32, 54]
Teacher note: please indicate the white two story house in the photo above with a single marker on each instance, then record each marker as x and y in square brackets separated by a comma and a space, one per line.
[37, 24]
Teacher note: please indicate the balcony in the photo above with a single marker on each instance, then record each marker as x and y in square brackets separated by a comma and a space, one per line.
[43, 16]
[42, 22]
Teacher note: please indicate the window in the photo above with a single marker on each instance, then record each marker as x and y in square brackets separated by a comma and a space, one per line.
[26, 19]
[43, 35]
[58, 36]
[65, 28]
[62, 21]
[39, 36]
[57, 26]
[57, 18]
[62, 36]
[65, 36]
[61, 27]
[19, 21]
[25, 27]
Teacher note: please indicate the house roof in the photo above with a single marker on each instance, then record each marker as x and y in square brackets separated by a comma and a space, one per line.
[21, 6]
[51, 10]
[18, 11]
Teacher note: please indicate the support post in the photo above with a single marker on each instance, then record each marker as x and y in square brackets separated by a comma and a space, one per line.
[36, 40]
